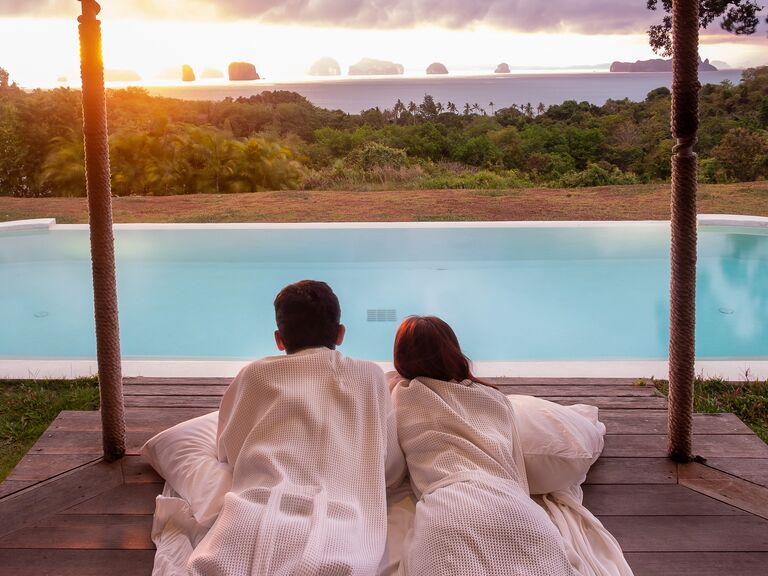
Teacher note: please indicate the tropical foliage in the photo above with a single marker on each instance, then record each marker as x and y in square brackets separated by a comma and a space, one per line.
[736, 16]
[279, 140]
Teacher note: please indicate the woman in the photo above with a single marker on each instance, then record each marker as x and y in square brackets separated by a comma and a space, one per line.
[474, 515]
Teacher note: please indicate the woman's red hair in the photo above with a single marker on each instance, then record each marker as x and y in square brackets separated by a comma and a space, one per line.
[427, 346]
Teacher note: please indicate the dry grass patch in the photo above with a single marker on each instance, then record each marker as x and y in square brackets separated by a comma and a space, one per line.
[632, 202]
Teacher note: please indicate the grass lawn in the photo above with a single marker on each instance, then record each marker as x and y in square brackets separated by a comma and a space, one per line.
[633, 202]
[748, 400]
[28, 408]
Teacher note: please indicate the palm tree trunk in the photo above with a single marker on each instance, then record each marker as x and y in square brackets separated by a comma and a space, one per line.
[685, 124]
[102, 242]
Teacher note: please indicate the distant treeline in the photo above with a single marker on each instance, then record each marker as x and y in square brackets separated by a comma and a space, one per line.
[279, 140]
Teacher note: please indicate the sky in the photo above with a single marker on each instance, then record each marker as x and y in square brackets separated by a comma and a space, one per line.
[39, 45]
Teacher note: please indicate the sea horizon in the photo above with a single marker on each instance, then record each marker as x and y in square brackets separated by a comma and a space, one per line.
[353, 94]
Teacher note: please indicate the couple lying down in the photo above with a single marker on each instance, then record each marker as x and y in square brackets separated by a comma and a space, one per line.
[315, 439]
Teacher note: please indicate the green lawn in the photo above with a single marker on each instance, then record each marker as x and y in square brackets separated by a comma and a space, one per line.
[28, 408]
[748, 400]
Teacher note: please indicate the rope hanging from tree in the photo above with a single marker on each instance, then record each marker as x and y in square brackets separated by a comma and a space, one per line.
[685, 124]
[102, 242]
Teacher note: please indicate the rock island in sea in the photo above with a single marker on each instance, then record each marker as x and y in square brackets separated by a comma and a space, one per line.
[372, 67]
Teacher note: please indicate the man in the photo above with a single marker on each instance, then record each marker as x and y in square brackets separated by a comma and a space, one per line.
[312, 440]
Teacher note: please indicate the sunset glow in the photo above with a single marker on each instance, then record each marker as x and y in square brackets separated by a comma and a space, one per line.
[139, 37]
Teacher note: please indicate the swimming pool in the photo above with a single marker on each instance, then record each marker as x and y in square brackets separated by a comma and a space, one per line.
[514, 292]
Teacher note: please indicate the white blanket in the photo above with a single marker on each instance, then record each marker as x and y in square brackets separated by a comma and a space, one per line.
[474, 515]
[591, 550]
[312, 444]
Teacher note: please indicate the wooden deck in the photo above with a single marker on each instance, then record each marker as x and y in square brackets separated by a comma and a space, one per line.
[63, 511]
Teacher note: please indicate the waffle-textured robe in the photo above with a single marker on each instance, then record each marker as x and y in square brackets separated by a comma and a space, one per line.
[313, 444]
[474, 515]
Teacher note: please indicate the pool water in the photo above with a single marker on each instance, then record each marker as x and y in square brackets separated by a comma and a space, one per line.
[570, 292]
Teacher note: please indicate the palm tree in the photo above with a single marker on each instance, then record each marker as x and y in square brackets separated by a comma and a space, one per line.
[64, 166]
[215, 154]
[528, 110]
[128, 159]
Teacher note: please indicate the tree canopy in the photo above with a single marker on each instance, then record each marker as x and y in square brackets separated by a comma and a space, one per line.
[737, 16]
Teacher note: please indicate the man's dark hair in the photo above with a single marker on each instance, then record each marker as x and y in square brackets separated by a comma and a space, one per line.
[308, 315]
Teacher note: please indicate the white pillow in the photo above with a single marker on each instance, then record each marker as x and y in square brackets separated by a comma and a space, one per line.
[559, 443]
[185, 455]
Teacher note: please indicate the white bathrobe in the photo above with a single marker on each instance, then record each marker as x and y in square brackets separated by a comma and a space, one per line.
[474, 515]
[313, 443]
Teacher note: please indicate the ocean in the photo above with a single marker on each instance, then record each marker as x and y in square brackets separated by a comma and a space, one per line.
[353, 95]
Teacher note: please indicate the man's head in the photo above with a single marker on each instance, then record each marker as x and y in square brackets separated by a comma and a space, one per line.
[308, 316]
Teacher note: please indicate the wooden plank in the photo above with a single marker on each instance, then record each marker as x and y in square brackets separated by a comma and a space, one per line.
[135, 418]
[580, 391]
[84, 532]
[29, 506]
[753, 470]
[725, 488]
[86, 442]
[125, 499]
[698, 563]
[137, 471]
[632, 471]
[77, 562]
[614, 382]
[38, 467]
[211, 402]
[187, 390]
[8, 487]
[655, 422]
[182, 381]
[652, 500]
[706, 445]
[608, 403]
[745, 533]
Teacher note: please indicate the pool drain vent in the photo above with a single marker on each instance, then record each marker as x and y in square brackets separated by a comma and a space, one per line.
[41, 314]
[725, 310]
[382, 315]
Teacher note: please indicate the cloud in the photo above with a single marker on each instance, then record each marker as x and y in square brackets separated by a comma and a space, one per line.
[38, 8]
[585, 16]
[578, 16]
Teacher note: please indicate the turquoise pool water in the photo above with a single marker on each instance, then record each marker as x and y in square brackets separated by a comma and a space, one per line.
[511, 293]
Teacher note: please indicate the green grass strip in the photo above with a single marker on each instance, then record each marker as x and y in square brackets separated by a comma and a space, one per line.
[27, 408]
[748, 400]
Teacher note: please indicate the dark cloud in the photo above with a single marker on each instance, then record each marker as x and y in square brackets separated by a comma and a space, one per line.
[581, 16]
[585, 16]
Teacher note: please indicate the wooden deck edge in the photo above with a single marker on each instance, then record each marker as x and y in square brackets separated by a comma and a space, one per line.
[724, 487]
[28, 506]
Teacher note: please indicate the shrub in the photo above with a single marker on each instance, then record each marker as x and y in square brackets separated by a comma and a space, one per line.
[743, 154]
[601, 174]
[474, 180]
[710, 171]
[373, 155]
